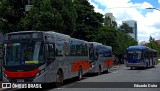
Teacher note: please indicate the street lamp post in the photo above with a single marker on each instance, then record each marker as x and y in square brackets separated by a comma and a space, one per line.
[154, 8]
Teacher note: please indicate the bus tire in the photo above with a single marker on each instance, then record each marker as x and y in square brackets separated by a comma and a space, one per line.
[131, 68]
[80, 73]
[108, 68]
[99, 70]
[59, 78]
[147, 65]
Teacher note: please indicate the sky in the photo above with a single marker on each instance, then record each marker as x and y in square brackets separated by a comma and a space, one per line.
[148, 20]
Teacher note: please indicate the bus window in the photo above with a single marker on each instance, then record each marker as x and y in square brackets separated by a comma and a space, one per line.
[78, 49]
[134, 55]
[84, 49]
[50, 50]
[91, 52]
[60, 47]
[23, 53]
[66, 48]
[73, 48]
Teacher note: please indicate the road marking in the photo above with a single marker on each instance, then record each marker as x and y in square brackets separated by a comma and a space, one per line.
[115, 72]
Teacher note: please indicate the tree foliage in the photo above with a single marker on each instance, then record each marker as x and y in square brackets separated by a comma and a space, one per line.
[88, 21]
[118, 39]
[11, 12]
[153, 44]
[76, 18]
[108, 22]
[51, 15]
[126, 28]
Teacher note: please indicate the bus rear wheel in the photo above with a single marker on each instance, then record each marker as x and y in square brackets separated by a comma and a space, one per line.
[80, 73]
[59, 78]
[108, 68]
[99, 70]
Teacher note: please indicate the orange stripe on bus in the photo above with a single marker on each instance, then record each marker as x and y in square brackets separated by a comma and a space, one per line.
[84, 64]
[108, 63]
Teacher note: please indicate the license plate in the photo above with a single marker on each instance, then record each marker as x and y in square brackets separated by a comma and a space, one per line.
[20, 80]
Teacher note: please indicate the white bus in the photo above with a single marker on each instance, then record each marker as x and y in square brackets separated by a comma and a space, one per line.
[101, 57]
[36, 56]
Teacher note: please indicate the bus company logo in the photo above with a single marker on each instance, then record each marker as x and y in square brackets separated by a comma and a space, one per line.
[21, 85]
[6, 85]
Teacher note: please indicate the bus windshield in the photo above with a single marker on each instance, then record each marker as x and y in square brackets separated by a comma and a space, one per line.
[23, 53]
[134, 55]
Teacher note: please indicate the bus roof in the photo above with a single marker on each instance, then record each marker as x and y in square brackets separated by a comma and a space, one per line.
[78, 39]
[22, 32]
[96, 43]
[140, 48]
[57, 34]
[33, 31]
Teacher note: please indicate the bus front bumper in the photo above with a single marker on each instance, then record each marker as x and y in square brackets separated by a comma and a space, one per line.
[142, 64]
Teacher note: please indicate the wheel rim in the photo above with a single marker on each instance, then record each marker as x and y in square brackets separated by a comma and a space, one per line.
[99, 72]
[59, 79]
[80, 74]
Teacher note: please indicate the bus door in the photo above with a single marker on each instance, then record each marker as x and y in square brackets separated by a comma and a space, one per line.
[50, 58]
[49, 51]
[93, 53]
[62, 55]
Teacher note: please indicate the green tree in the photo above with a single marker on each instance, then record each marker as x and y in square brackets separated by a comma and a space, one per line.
[126, 28]
[108, 22]
[11, 13]
[118, 39]
[43, 17]
[153, 44]
[51, 15]
[88, 21]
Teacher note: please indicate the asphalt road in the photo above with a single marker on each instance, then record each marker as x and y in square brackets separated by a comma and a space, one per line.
[119, 78]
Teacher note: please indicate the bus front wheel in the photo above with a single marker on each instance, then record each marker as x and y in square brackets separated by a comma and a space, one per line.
[59, 78]
[99, 70]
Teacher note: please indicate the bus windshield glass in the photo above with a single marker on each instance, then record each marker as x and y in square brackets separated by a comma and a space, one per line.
[23, 53]
[134, 55]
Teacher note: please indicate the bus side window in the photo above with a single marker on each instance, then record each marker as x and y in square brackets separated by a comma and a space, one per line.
[66, 48]
[72, 48]
[50, 50]
[78, 49]
[60, 47]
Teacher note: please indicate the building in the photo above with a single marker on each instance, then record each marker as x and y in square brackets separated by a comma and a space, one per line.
[143, 43]
[109, 19]
[133, 24]
[158, 41]
[110, 15]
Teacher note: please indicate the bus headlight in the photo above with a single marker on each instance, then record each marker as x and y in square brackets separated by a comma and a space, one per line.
[4, 75]
[40, 73]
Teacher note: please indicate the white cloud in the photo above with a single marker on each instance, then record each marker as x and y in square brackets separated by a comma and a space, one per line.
[148, 23]
[96, 7]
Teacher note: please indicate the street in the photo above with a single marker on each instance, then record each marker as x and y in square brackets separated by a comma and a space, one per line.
[116, 80]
